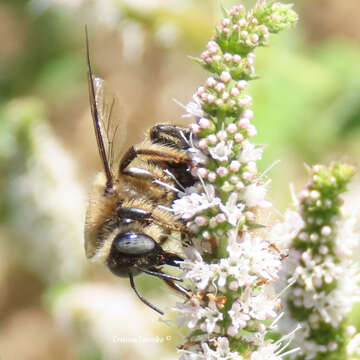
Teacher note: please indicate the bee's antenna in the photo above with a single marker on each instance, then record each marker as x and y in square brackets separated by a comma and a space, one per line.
[140, 296]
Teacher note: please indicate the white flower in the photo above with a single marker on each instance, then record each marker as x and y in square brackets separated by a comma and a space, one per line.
[194, 108]
[198, 271]
[221, 151]
[250, 152]
[211, 315]
[238, 316]
[197, 156]
[266, 352]
[222, 351]
[191, 313]
[348, 239]
[284, 232]
[263, 303]
[254, 259]
[222, 272]
[232, 209]
[189, 205]
[354, 345]
[254, 195]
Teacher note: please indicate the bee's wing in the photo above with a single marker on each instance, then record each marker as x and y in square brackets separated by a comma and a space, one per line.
[103, 109]
[107, 106]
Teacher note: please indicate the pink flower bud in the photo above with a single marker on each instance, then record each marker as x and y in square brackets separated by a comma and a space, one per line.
[241, 84]
[243, 123]
[204, 123]
[234, 166]
[234, 91]
[212, 139]
[247, 114]
[231, 128]
[220, 218]
[211, 99]
[202, 144]
[195, 128]
[240, 185]
[220, 87]
[211, 82]
[242, 22]
[228, 57]
[200, 90]
[236, 59]
[221, 135]
[211, 176]
[222, 171]
[225, 22]
[238, 137]
[201, 220]
[254, 38]
[252, 132]
[244, 34]
[202, 172]
[225, 76]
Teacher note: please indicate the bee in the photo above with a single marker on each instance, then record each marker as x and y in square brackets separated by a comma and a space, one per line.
[128, 218]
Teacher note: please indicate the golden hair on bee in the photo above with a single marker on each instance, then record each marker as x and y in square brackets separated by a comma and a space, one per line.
[129, 219]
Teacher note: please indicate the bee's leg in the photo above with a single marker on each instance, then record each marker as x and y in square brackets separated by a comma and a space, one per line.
[173, 284]
[156, 153]
[141, 297]
[160, 274]
[177, 137]
[143, 174]
[127, 158]
[170, 134]
[177, 287]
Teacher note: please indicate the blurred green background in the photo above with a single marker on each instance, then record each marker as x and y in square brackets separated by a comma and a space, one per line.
[53, 304]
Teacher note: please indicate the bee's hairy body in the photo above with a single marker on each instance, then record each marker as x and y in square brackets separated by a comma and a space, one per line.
[105, 219]
[129, 216]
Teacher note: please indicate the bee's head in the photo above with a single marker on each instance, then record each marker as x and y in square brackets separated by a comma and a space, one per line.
[132, 251]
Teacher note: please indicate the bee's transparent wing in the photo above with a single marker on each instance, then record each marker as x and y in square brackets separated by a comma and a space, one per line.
[111, 128]
[106, 123]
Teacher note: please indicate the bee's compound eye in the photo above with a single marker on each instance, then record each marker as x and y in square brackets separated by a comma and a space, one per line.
[134, 243]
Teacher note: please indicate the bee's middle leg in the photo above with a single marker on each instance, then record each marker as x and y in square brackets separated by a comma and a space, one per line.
[155, 154]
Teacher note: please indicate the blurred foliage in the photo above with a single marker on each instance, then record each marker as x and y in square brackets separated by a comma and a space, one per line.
[306, 102]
